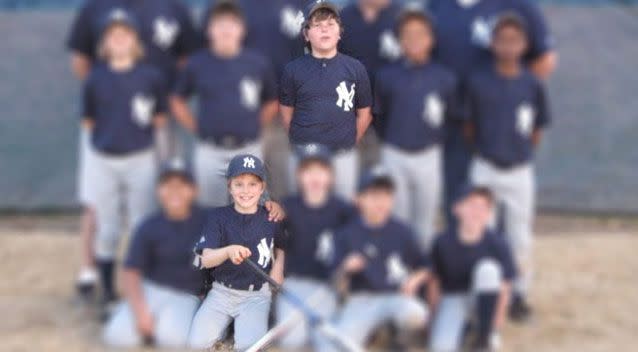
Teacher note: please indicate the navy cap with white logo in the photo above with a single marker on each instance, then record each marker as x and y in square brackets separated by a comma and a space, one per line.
[313, 151]
[119, 16]
[246, 164]
[376, 177]
[411, 10]
[176, 167]
[317, 5]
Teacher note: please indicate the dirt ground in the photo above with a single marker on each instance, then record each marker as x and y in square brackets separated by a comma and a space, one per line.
[585, 292]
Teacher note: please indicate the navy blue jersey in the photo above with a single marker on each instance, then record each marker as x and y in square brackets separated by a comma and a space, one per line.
[310, 235]
[122, 106]
[166, 30]
[463, 34]
[391, 253]
[162, 250]
[412, 102]
[230, 93]
[453, 262]
[325, 94]
[505, 112]
[373, 43]
[228, 227]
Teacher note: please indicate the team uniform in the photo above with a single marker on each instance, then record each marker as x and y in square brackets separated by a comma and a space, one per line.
[325, 95]
[463, 35]
[309, 256]
[230, 95]
[122, 107]
[238, 293]
[505, 113]
[413, 102]
[470, 276]
[162, 251]
[391, 253]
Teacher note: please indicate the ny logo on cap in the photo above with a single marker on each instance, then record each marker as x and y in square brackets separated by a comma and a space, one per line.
[165, 31]
[249, 162]
[118, 15]
[312, 149]
[346, 97]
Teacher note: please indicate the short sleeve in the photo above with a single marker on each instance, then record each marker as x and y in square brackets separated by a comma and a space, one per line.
[160, 92]
[188, 38]
[88, 99]
[281, 238]
[435, 257]
[540, 40]
[287, 89]
[212, 237]
[341, 249]
[363, 98]
[81, 37]
[139, 255]
[185, 85]
[543, 117]
[269, 86]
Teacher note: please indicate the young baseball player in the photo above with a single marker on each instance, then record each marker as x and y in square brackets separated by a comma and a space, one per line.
[413, 99]
[313, 214]
[236, 91]
[124, 102]
[472, 269]
[235, 233]
[508, 110]
[325, 96]
[161, 284]
[379, 257]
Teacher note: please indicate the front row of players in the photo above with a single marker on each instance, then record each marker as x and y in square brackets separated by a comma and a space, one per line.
[359, 266]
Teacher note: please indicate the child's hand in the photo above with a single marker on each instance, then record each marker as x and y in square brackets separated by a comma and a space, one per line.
[237, 254]
[275, 212]
[354, 263]
[411, 285]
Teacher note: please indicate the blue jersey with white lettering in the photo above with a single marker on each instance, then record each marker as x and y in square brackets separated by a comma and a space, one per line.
[228, 227]
[325, 95]
[230, 92]
[453, 261]
[463, 33]
[166, 30]
[162, 250]
[122, 106]
[310, 235]
[412, 103]
[505, 112]
[390, 250]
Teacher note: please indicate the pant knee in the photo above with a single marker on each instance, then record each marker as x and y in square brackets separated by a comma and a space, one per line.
[487, 276]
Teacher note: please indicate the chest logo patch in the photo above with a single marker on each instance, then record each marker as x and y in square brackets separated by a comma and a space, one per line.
[142, 109]
[249, 162]
[249, 92]
[165, 31]
[265, 252]
[433, 110]
[291, 21]
[389, 47]
[525, 116]
[395, 269]
[346, 97]
[325, 247]
[482, 31]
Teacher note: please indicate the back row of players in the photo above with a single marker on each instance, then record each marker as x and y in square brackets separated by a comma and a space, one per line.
[325, 97]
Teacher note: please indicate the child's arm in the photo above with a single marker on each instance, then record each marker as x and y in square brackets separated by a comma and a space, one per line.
[286, 113]
[80, 65]
[434, 292]
[132, 280]
[211, 258]
[536, 137]
[364, 118]
[268, 112]
[183, 113]
[277, 270]
[502, 306]
[411, 285]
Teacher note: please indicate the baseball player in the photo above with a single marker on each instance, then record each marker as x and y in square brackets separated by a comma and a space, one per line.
[463, 34]
[313, 214]
[124, 102]
[236, 90]
[236, 233]
[325, 96]
[383, 265]
[508, 109]
[161, 284]
[472, 271]
[413, 99]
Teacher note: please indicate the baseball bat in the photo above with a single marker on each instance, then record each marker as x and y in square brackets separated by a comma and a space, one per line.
[314, 319]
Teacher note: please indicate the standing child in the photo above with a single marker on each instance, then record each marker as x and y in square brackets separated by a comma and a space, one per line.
[508, 110]
[414, 97]
[124, 104]
[236, 233]
[312, 217]
[236, 89]
[325, 96]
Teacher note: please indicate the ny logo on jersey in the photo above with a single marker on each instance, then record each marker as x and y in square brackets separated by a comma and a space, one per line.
[142, 109]
[249, 93]
[325, 247]
[482, 31]
[165, 31]
[249, 162]
[525, 116]
[346, 97]
[433, 110]
[389, 47]
[291, 21]
[395, 269]
[265, 252]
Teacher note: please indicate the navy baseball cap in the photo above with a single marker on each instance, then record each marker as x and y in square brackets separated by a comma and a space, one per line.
[225, 6]
[510, 18]
[313, 151]
[176, 167]
[246, 164]
[413, 10]
[469, 189]
[317, 5]
[119, 16]
[376, 177]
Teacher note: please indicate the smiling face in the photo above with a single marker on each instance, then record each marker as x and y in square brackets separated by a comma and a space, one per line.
[323, 31]
[474, 214]
[246, 190]
[509, 43]
[176, 195]
[120, 41]
[376, 204]
[315, 178]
